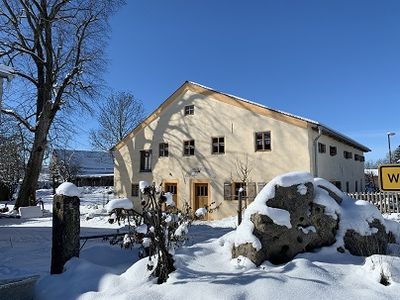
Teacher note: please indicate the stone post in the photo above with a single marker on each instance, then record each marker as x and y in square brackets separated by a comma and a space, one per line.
[66, 231]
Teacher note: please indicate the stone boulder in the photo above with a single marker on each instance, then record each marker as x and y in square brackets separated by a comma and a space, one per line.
[314, 209]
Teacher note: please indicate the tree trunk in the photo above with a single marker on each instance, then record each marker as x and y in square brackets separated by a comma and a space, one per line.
[27, 192]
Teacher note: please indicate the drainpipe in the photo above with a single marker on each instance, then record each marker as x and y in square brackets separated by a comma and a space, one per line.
[316, 150]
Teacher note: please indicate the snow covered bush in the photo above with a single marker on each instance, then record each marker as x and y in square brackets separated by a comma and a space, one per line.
[160, 227]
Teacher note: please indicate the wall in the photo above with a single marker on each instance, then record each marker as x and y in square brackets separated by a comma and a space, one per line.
[212, 118]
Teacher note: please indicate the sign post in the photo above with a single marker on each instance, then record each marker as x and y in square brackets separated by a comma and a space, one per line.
[389, 178]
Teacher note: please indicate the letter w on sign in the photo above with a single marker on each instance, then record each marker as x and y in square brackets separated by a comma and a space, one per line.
[389, 177]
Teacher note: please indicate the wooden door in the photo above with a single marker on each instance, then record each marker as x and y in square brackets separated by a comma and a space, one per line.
[200, 195]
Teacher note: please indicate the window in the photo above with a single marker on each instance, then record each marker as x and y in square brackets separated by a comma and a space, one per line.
[227, 191]
[189, 110]
[347, 154]
[263, 141]
[201, 190]
[145, 161]
[135, 190]
[188, 148]
[332, 150]
[347, 187]
[237, 186]
[356, 186]
[321, 148]
[218, 145]
[163, 150]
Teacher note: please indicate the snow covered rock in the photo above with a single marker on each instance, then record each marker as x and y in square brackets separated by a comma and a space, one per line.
[295, 213]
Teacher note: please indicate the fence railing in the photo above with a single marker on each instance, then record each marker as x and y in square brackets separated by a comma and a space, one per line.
[386, 202]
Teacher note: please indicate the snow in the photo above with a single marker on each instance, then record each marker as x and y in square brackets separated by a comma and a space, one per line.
[204, 266]
[142, 185]
[201, 212]
[68, 189]
[124, 203]
[170, 200]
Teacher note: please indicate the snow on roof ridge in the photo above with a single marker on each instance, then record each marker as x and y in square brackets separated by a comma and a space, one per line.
[327, 128]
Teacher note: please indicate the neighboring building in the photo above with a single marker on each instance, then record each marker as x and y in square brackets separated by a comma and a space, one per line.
[5, 73]
[84, 168]
[203, 145]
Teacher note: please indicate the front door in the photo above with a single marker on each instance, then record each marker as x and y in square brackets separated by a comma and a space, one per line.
[200, 195]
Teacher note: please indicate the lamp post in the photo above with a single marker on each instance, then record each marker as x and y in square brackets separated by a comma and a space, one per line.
[389, 134]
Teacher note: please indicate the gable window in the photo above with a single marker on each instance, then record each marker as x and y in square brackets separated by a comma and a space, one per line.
[332, 150]
[189, 110]
[135, 190]
[263, 141]
[145, 161]
[163, 150]
[347, 154]
[321, 148]
[188, 148]
[218, 145]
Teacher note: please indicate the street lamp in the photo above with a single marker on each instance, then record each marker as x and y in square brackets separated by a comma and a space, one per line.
[389, 134]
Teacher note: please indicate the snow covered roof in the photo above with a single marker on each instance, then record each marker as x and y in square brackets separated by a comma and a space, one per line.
[89, 163]
[325, 129]
[6, 72]
[373, 172]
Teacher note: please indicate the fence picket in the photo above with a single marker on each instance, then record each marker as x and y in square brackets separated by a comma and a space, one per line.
[386, 202]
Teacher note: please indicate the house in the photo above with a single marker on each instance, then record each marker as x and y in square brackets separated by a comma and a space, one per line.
[82, 167]
[203, 145]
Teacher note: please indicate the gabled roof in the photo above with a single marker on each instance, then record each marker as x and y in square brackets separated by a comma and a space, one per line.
[246, 104]
[88, 162]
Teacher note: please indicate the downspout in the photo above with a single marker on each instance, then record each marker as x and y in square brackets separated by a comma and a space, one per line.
[316, 151]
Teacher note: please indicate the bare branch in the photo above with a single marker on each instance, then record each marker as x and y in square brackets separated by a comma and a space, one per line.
[19, 118]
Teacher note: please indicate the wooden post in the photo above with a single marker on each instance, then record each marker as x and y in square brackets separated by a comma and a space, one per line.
[66, 231]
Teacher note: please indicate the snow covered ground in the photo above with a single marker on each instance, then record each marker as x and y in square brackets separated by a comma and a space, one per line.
[204, 267]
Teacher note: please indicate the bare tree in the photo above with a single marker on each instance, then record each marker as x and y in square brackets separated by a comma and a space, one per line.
[56, 48]
[11, 157]
[120, 114]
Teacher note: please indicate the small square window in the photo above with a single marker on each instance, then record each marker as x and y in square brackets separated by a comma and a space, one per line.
[263, 141]
[135, 190]
[347, 154]
[189, 110]
[163, 150]
[332, 150]
[218, 145]
[188, 148]
[321, 148]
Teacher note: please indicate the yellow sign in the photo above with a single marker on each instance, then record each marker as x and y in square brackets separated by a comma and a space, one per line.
[389, 177]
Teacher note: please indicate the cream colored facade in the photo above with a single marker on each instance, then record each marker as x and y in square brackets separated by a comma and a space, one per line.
[206, 178]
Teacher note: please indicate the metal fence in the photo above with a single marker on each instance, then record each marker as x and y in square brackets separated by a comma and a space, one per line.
[386, 202]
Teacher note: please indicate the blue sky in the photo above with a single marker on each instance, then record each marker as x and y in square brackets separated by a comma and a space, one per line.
[337, 62]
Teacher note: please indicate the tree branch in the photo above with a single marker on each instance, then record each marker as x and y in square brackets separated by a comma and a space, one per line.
[19, 119]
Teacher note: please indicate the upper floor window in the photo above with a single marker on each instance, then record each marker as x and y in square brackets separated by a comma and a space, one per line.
[189, 110]
[263, 140]
[218, 145]
[188, 148]
[332, 150]
[347, 154]
[163, 150]
[321, 148]
[145, 161]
